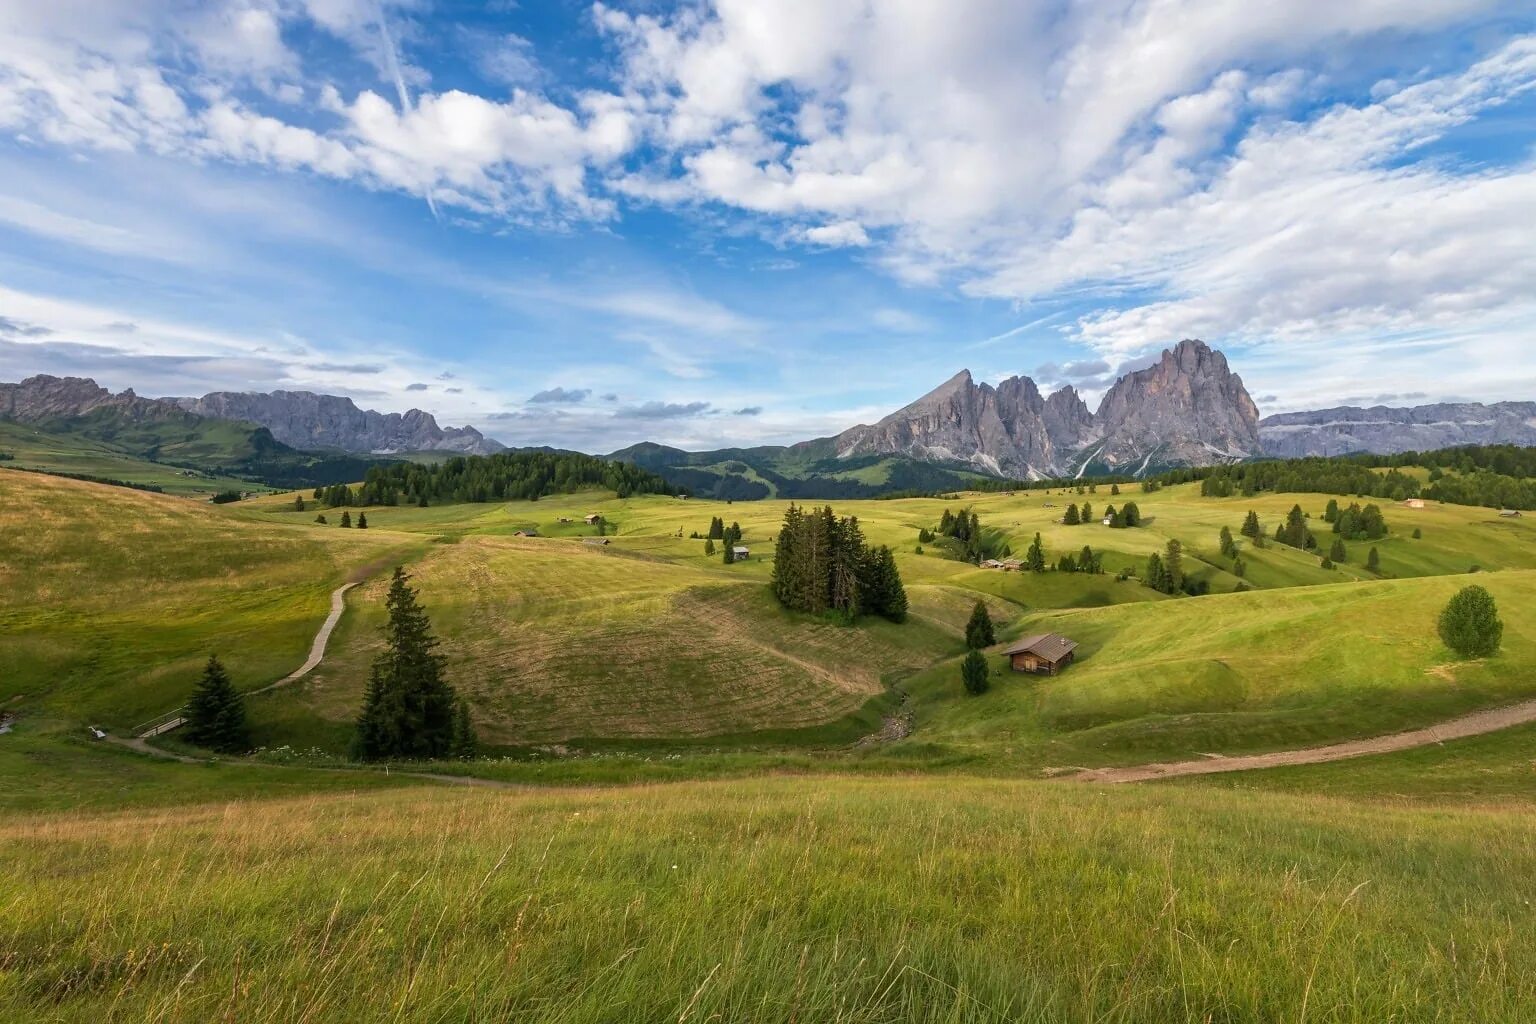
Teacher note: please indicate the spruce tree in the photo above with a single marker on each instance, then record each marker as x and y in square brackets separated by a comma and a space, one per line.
[1071, 518]
[709, 548]
[1337, 553]
[1373, 561]
[1173, 566]
[298, 503]
[1087, 561]
[1251, 527]
[730, 553]
[1087, 516]
[1239, 567]
[1114, 489]
[1470, 624]
[890, 600]
[216, 713]
[320, 518]
[346, 519]
[408, 708]
[978, 631]
[1228, 545]
[362, 520]
[973, 673]
[464, 743]
[1035, 557]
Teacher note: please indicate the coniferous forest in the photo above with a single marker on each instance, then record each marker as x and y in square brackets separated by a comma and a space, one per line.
[505, 476]
[821, 564]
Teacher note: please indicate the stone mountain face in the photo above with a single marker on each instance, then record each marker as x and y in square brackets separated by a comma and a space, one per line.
[43, 397]
[998, 430]
[1187, 409]
[1386, 431]
[303, 419]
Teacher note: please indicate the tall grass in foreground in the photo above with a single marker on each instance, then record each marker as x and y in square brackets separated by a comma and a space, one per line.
[800, 900]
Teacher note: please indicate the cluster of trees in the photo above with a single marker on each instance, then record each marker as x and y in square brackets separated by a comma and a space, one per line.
[1073, 517]
[1295, 532]
[822, 564]
[409, 710]
[1087, 561]
[1354, 522]
[226, 497]
[1494, 476]
[965, 528]
[1165, 572]
[505, 476]
[1127, 516]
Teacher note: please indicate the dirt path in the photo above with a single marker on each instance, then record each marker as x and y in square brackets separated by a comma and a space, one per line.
[316, 649]
[1475, 724]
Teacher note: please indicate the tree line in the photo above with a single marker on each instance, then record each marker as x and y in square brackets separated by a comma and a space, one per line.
[821, 564]
[505, 476]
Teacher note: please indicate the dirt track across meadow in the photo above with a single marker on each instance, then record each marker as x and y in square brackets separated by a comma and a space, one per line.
[1475, 724]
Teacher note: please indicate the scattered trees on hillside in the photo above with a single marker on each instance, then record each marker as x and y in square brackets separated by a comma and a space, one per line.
[1294, 532]
[409, 709]
[974, 673]
[979, 632]
[1470, 625]
[1085, 561]
[1165, 572]
[1128, 516]
[216, 713]
[505, 476]
[966, 528]
[1356, 523]
[822, 564]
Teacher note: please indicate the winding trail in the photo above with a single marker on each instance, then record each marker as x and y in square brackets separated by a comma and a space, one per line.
[316, 649]
[1475, 724]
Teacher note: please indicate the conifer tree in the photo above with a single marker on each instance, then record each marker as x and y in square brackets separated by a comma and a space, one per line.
[1239, 567]
[730, 554]
[1071, 518]
[1373, 561]
[1035, 557]
[973, 673]
[1470, 624]
[1228, 545]
[1173, 566]
[1087, 561]
[1087, 516]
[346, 519]
[1132, 514]
[216, 713]
[979, 632]
[1114, 489]
[362, 520]
[298, 503]
[888, 597]
[1156, 576]
[1251, 527]
[709, 548]
[408, 708]
[464, 743]
[320, 518]
[1337, 553]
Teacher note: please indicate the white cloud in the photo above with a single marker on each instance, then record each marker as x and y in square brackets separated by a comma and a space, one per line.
[841, 233]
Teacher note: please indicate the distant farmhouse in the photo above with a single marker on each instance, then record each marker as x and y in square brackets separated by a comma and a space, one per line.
[740, 551]
[1044, 654]
[530, 532]
[591, 519]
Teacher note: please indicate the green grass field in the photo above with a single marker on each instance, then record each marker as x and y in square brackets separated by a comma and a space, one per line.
[780, 873]
[55, 452]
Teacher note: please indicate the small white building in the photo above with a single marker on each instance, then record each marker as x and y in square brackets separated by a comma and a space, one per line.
[740, 551]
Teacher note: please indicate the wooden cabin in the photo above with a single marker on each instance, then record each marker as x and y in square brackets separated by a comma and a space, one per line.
[1044, 654]
[591, 519]
[741, 552]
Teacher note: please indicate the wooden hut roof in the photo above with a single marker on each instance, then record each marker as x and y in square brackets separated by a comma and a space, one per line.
[1050, 646]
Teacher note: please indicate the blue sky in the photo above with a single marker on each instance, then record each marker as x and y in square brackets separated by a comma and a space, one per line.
[755, 222]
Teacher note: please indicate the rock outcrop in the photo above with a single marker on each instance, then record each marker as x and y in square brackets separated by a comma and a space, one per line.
[44, 398]
[1387, 431]
[306, 420]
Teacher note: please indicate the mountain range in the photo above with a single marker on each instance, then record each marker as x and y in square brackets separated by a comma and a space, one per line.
[1187, 409]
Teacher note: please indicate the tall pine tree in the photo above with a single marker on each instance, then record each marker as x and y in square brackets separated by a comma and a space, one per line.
[408, 708]
[978, 631]
[216, 713]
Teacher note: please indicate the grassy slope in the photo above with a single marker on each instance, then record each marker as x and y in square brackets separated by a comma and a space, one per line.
[774, 900]
[71, 453]
[111, 599]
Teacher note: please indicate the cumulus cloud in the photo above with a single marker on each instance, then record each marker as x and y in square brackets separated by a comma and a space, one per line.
[560, 396]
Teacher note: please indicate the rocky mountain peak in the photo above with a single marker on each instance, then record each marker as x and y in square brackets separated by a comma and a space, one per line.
[1187, 408]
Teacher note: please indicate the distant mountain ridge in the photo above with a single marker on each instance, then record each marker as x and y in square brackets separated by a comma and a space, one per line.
[1187, 409]
[1382, 430]
[307, 420]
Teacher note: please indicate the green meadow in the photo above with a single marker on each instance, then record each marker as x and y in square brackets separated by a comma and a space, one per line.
[685, 824]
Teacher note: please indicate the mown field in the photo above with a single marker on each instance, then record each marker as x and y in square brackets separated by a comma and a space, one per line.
[55, 452]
